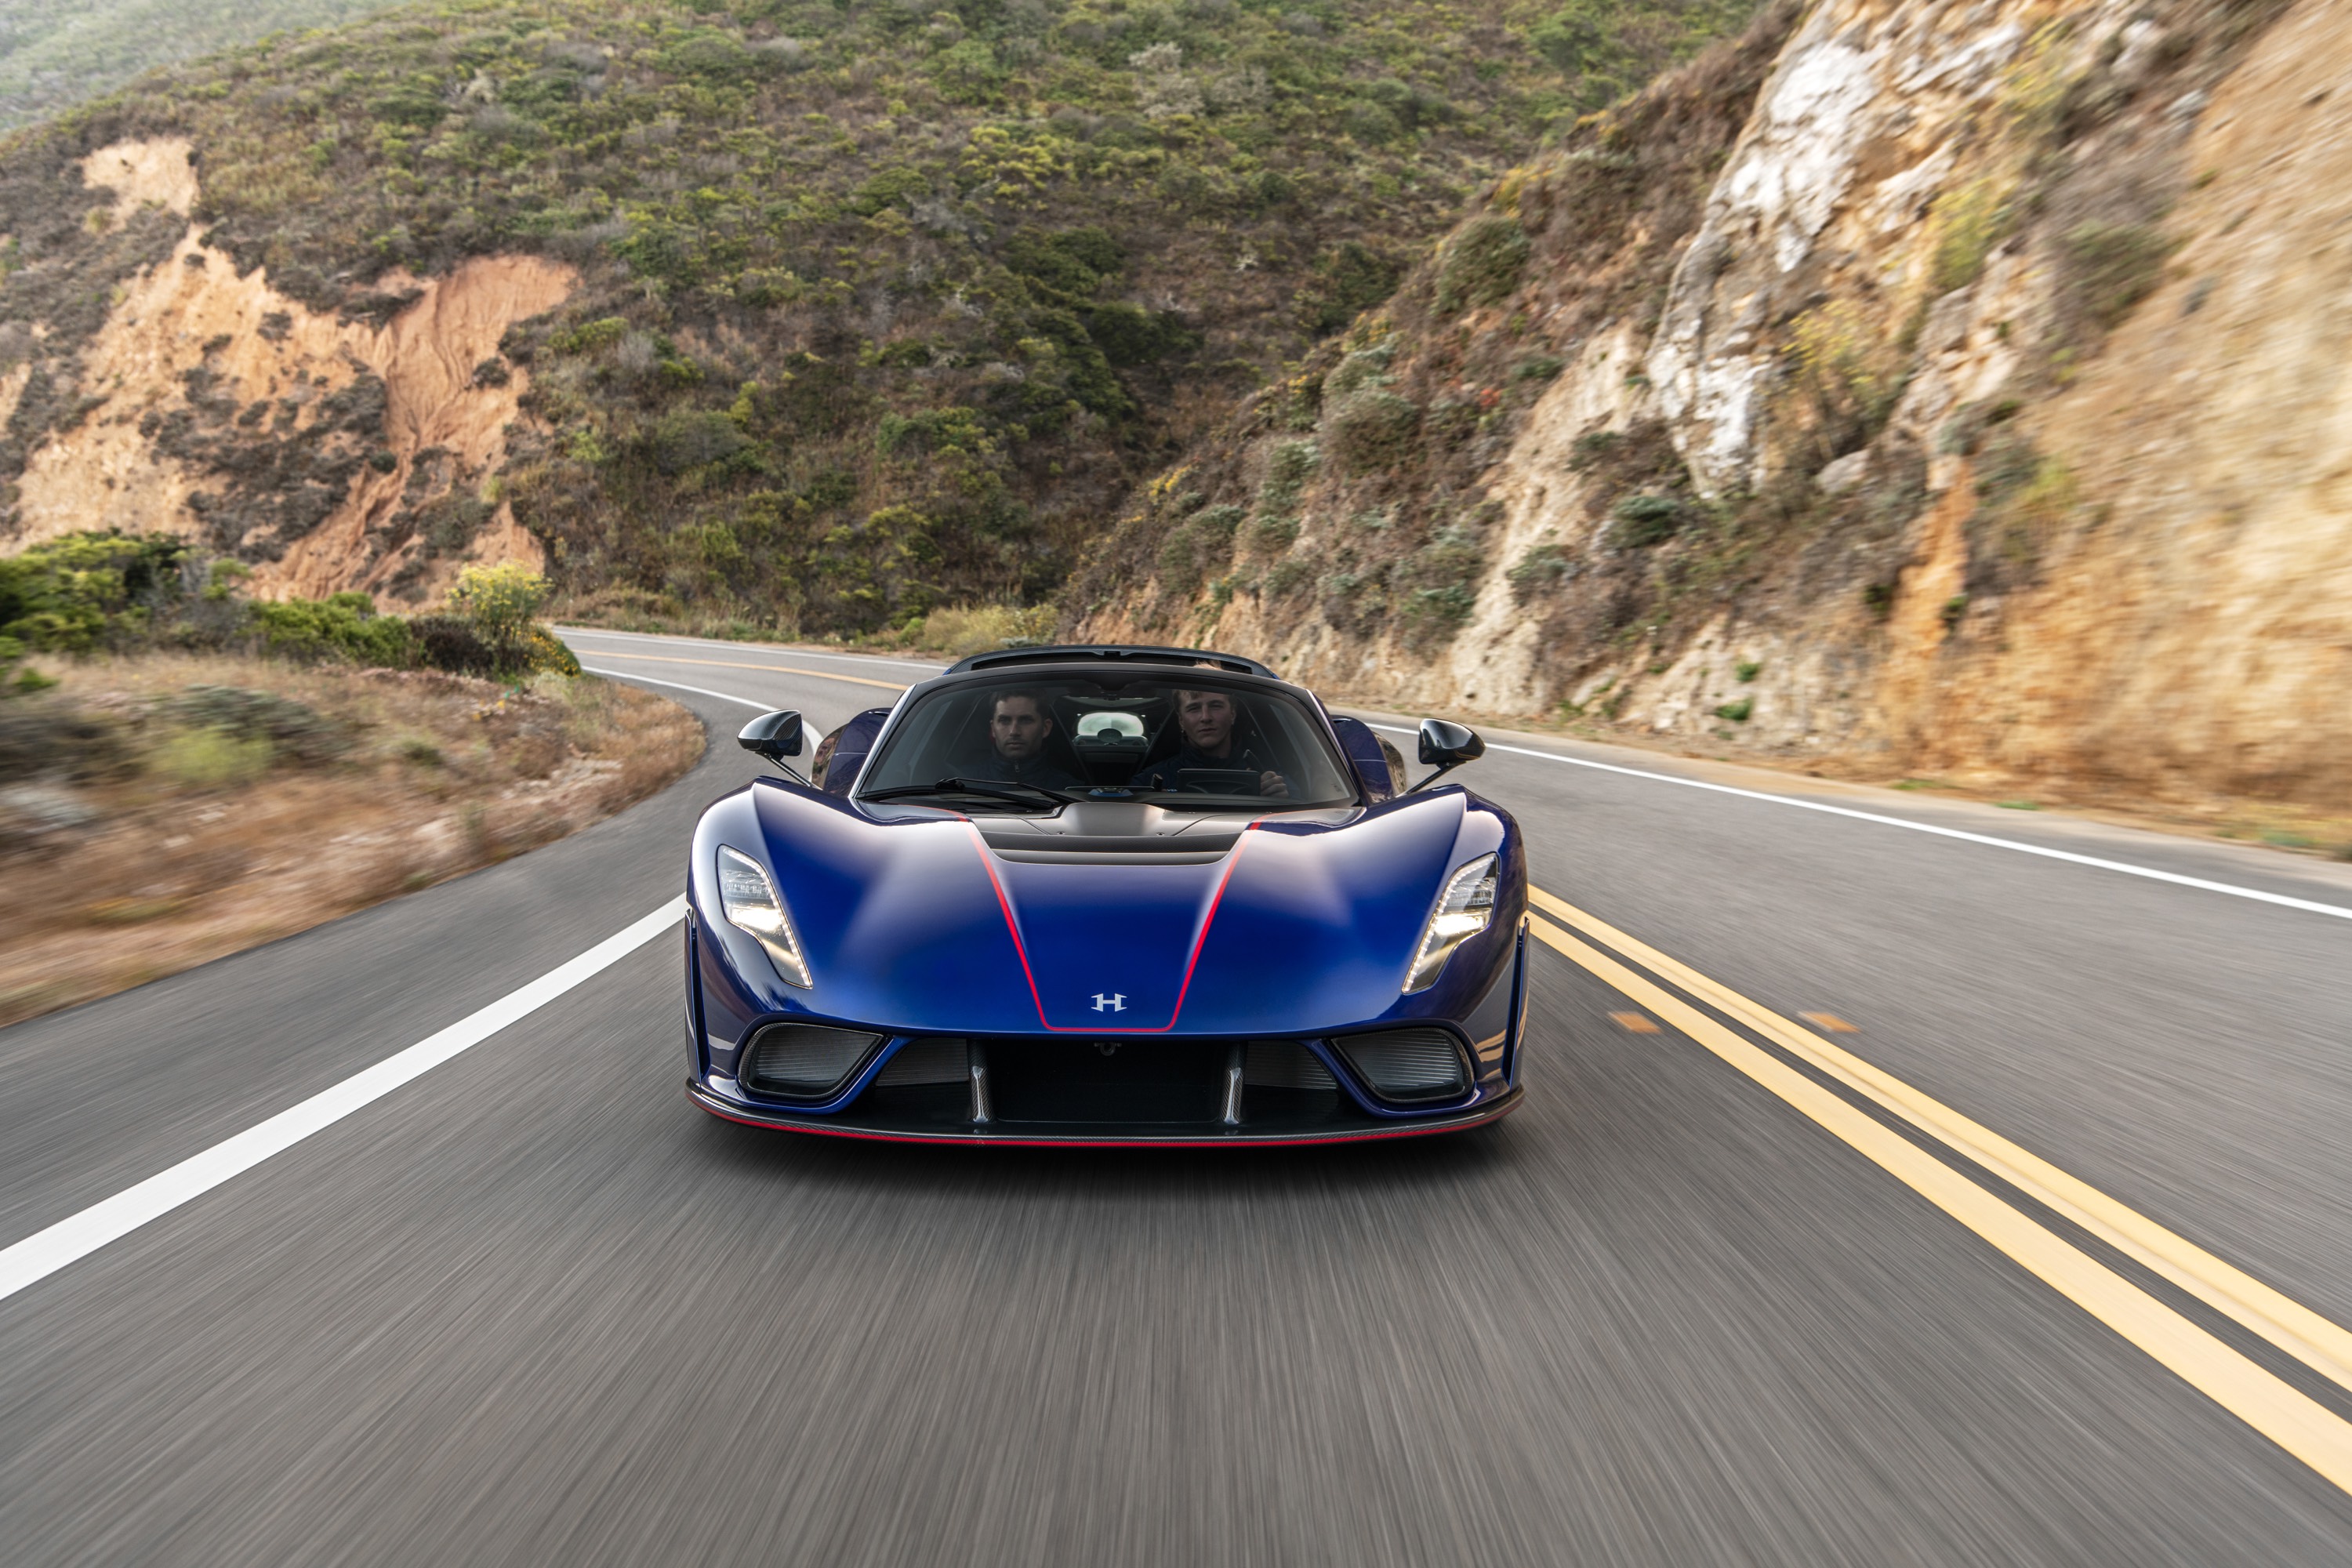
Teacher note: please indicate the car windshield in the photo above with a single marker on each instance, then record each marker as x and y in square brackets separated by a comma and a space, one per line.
[1185, 738]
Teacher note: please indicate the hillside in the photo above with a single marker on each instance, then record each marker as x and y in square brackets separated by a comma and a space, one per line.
[817, 317]
[1913, 389]
[53, 54]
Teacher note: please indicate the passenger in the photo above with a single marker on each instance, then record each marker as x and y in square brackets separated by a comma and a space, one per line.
[1018, 726]
[1207, 720]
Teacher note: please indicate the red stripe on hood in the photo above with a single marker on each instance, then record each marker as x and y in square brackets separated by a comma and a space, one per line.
[1200, 939]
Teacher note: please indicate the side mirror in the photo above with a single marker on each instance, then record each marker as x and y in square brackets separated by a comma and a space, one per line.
[1445, 747]
[774, 736]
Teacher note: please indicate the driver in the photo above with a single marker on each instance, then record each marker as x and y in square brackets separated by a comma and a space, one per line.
[1207, 720]
[1018, 723]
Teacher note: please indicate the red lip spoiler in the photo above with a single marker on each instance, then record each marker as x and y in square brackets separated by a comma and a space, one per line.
[1475, 1116]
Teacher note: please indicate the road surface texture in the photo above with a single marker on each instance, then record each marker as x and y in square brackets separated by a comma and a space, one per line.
[1687, 1307]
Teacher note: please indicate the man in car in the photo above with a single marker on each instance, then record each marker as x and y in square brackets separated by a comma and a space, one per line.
[1018, 725]
[1208, 720]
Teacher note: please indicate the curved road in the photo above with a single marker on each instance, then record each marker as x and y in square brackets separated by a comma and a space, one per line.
[1969, 1196]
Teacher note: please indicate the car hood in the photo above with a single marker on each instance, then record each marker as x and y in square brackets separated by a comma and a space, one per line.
[920, 925]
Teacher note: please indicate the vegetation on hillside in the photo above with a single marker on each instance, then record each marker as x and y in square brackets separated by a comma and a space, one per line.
[54, 53]
[884, 307]
[93, 594]
[1354, 492]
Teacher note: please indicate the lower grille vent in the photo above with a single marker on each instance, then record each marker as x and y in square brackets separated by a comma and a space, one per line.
[929, 1059]
[1408, 1065]
[803, 1061]
[1285, 1064]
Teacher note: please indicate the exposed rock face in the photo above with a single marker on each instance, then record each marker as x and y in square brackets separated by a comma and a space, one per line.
[331, 452]
[2010, 370]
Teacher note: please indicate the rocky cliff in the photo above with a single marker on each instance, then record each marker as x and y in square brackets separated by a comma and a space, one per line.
[331, 451]
[1919, 387]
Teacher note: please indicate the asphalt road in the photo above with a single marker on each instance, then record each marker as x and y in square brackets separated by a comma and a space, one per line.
[532, 1307]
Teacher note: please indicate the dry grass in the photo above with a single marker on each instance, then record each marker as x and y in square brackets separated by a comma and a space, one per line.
[198, 840]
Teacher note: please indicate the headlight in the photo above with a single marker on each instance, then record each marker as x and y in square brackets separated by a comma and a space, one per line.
[750, 904]
[1463, 910]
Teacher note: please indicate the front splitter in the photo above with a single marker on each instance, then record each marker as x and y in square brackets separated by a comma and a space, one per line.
[1096, 1135]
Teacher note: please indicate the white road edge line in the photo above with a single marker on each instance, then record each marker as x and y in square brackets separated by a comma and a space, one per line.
[45, 1252]
[2310, 906]
[675, 685]
[848, 658]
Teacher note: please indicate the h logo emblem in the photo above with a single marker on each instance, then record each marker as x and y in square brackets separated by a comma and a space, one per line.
[1114, 1002]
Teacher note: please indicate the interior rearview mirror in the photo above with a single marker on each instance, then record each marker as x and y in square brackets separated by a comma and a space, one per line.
[774, 736]
[1447, 746]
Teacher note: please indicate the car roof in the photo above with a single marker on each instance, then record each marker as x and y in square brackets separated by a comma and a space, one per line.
[1122, 653]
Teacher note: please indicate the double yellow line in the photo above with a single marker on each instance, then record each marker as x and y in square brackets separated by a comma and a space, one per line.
[2293, 1420]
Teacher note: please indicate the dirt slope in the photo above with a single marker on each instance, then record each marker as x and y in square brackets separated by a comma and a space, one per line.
[332, 450]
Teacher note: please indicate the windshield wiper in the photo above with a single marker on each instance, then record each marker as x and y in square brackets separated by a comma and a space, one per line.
[1013, 790]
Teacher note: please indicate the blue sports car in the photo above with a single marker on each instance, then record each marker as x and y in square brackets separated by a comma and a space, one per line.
[1106, 894]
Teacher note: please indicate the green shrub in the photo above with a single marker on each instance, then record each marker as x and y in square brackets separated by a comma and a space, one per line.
[1373, 429]
[710, 54]
[1370, 122]
[1217, 522]
[1292, 463]
[2113, 266]
[1129, 335]
[1289, 468]
[688, 439]
[1439, 584]
[1543, 566]
[1593, 448]
[1179, 563]
[1570, 38]
[1273, 534]
[289, 729]
[1645, 520]
[589, 337]
[210, 759]
[1286, 577]
[1971, 221]
[1365, 367]
[343, 626]
[1482, 263]
[24, 680]
[1349, 279]
[87, 590]
[1737, 712]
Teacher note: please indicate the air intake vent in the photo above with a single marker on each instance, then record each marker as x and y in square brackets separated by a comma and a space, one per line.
[1408, 1065]
[932, 1058]
[803, 1061]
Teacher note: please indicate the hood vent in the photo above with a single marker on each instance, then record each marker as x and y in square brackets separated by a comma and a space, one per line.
[1103, 849]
